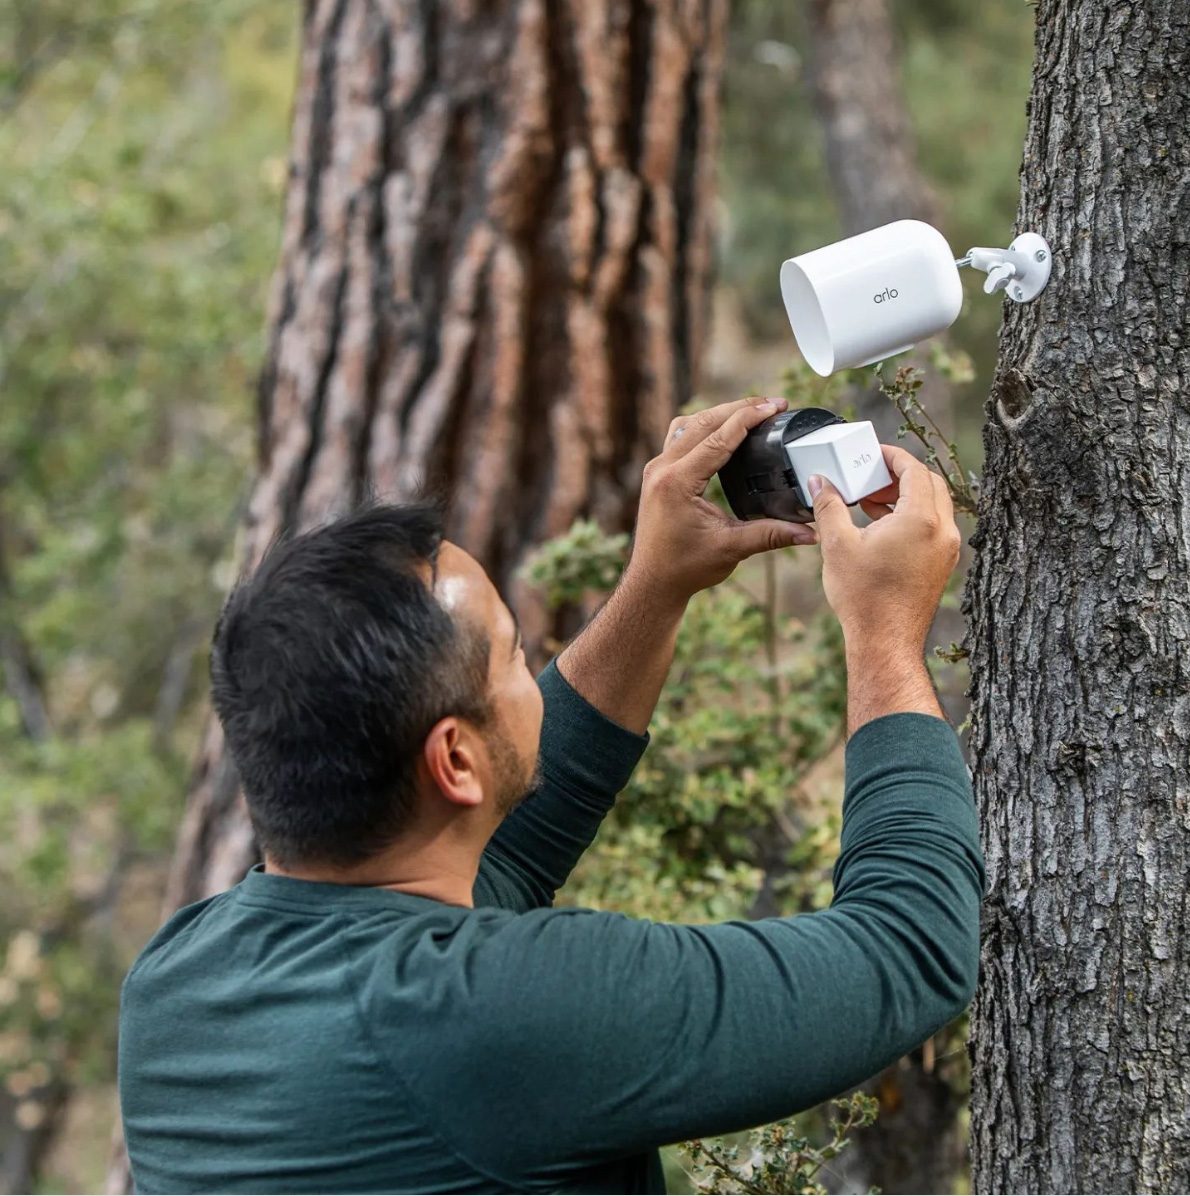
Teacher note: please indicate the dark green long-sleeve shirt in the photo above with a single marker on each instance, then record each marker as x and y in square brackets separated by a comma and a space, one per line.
[291, 1036]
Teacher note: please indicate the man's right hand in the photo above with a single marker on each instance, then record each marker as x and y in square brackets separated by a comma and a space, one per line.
[884, 582]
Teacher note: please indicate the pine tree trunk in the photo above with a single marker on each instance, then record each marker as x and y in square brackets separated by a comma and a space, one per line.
[1080, 621]
[493, 284]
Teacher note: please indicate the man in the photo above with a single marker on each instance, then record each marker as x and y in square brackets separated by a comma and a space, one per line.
[391, 1004]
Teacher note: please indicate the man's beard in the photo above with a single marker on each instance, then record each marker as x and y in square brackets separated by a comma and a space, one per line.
[515, 778]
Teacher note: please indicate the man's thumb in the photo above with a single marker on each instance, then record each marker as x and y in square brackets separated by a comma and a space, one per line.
[830, 511]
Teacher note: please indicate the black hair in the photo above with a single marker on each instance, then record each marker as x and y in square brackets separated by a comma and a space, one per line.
[330, 663]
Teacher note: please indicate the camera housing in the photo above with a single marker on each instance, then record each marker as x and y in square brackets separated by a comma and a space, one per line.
[759, 481]
[876, 294]
[766, 476]
[871, 296]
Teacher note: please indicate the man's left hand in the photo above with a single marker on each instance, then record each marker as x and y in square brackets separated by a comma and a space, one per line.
[684, 543]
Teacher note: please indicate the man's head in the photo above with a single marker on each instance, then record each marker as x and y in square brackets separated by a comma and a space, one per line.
[370, 681]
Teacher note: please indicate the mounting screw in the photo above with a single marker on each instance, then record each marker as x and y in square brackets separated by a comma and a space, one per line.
[1039, 256]
[1018, 292]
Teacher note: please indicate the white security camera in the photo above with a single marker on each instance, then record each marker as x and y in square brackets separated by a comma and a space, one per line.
[877, 294]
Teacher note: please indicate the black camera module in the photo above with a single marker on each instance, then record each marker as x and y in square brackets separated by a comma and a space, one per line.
[759, 480]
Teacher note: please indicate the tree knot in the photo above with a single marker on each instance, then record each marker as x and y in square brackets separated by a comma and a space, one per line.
[1014, 395]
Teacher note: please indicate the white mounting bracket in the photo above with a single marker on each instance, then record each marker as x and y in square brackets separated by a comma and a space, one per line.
[1021, 270]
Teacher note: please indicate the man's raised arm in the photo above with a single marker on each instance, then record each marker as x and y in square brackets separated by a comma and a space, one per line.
[601, 692]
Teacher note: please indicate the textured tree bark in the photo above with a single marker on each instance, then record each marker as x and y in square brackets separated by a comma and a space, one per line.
[1080, 626]
[492, 283]
[854, 73]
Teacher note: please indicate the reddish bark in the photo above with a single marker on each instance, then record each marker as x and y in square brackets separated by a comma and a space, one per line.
[492, 280]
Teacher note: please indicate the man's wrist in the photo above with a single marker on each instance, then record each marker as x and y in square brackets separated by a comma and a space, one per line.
[895, 646]
[653, 596]
[887, 674]
[619, 662]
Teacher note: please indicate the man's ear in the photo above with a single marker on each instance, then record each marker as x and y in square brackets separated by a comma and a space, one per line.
[451, 758]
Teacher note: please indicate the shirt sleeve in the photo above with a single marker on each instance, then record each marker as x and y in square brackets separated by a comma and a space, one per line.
[585, 760]
[583, 1036]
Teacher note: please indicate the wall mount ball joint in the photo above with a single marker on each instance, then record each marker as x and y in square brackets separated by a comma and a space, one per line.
[1020, 271]
[851, 304]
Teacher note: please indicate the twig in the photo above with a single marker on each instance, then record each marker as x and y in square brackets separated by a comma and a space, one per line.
[770, 644]
[21, 673]
[728, 1170]
[902, 392]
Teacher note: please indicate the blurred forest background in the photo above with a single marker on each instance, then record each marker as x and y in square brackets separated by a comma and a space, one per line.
[144, 155]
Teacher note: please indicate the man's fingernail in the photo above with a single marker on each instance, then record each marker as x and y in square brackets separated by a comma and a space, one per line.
[815, 485]
[768, 406]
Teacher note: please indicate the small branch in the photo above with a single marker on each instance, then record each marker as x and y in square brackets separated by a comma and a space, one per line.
[770, 644]
[23, 682]
[902, 392]
[175, 677]
[21, 675]
[727, 1169]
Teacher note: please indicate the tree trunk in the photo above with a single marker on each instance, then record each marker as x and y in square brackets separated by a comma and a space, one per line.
[854, 76]
[914, 1145]
[1080, 621]
[855, 82]
[24, 1147]
[492, 283]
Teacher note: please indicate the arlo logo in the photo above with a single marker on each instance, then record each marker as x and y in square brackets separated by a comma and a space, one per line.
[860, 461]
[889, 294]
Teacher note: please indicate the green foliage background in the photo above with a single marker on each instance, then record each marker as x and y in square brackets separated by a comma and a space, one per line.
[143, 146]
